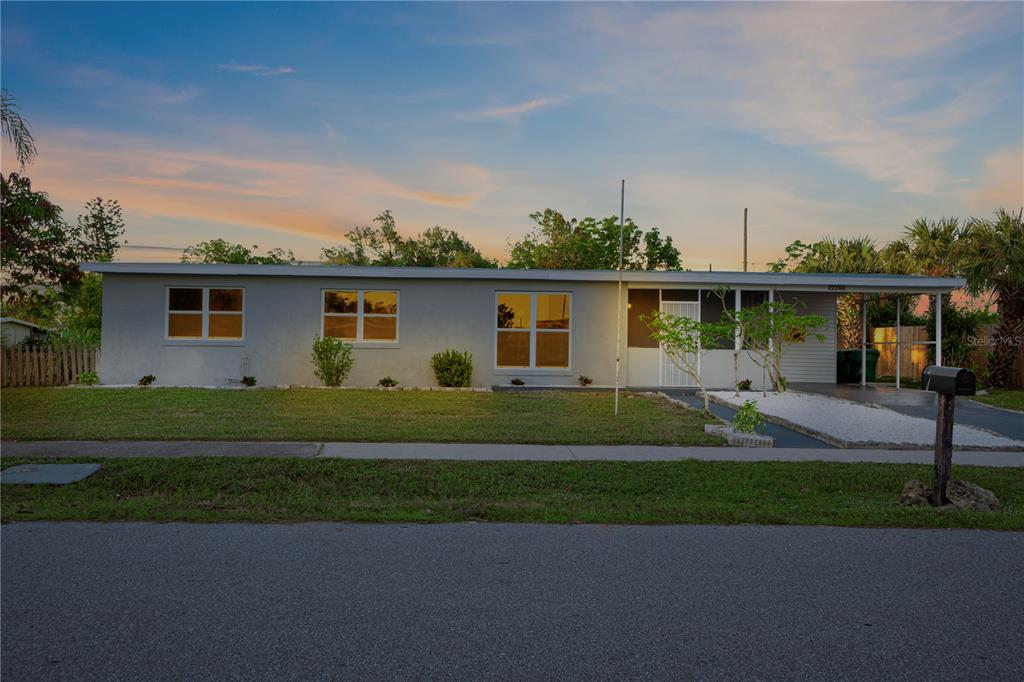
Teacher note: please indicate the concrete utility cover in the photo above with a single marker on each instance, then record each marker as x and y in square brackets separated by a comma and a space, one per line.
[55, 474]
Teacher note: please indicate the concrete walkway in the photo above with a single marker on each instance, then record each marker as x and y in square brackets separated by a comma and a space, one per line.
[486, 452]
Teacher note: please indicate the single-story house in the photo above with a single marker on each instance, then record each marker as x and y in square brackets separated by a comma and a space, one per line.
[200, 324]
[13, 331]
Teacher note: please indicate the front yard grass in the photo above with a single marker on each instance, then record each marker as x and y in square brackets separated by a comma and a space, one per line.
[554, 417]
[1005, 398]
[691, 491]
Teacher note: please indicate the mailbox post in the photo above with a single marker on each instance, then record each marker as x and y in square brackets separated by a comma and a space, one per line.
[948, 382]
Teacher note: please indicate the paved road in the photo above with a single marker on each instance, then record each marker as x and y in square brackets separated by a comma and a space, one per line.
[478, 601]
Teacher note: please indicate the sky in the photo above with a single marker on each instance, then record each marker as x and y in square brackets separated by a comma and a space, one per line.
[288, 124]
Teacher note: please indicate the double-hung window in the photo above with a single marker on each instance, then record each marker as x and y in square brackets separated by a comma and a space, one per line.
[211, 313]
[365, 315]
[533, 330]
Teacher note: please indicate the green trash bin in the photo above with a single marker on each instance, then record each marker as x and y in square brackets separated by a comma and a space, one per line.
[848, 365]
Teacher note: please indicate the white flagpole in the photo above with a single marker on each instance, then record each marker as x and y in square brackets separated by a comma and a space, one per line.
[618, 307]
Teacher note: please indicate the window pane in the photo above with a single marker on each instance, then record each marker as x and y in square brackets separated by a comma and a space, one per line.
[343, 327]
[552, 311]
[184, 326]
[226, 300]
[380, 302]
[340, 301]
[185, 299]
[225, 326]
[552, 349]
[513, 311]
[513, 349]
[380, 328]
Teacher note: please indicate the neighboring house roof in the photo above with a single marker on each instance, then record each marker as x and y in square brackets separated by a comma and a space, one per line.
[14, 320]
[793, 281]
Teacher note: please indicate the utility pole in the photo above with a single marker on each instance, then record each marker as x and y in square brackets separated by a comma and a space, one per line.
[618, 307]
[744, 240]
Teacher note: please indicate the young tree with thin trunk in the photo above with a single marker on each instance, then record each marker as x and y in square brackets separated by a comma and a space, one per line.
[685, 341]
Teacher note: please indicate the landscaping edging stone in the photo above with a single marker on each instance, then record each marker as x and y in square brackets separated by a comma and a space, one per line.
[739, 439]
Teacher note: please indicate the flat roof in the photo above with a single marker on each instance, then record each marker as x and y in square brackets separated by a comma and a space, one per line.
[794, 281]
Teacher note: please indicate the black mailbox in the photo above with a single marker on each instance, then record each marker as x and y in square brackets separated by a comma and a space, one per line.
[948, 380]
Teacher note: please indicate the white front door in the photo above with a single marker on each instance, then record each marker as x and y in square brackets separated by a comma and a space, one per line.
[670, 374]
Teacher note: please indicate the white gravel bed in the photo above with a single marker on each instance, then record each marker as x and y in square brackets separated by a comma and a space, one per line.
[847, 423]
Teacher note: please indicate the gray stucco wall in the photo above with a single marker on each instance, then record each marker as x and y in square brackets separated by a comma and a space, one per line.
[282, 314]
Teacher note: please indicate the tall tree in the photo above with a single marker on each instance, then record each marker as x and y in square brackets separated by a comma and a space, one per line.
[560, 243]
[16, 130]
[39, 250]
[992, 260]
[221, 251]
[102, 228]
[381, 244]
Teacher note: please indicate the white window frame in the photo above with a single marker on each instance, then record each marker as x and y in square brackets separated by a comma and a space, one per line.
[532, 331]
[359, 314]
[205, 313]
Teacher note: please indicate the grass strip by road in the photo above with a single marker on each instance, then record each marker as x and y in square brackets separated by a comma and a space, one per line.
[1004, 398]
[551, 417]
[292, 490]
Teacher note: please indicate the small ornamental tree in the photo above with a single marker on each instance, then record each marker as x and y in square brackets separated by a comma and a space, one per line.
[684, 341]
[764, 328]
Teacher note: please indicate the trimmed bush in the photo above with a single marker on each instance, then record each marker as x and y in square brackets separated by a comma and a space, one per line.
[744, 385]
[147, 380]
[332, 360]
[517, 382]
[584, 380]
[387, 382]
[453, 368]
[249, 380]
[87, 379]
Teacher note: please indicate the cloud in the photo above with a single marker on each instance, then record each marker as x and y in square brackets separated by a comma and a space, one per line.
[513, 111]
[258, 69]
[848, 82]
[294, 196]
[1002, 184]
[118, 86]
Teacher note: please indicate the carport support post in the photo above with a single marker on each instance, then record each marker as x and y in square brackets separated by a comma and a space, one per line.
[943, 448]
[864, 339]
[899, 348]
[938, 329]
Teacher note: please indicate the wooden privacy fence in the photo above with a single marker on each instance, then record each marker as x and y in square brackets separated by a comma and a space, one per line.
[46, 366]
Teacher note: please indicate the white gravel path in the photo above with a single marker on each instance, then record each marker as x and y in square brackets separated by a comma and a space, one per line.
[858, 425]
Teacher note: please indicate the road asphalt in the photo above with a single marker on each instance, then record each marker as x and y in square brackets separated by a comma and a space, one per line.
[486, 452]
[495, 601]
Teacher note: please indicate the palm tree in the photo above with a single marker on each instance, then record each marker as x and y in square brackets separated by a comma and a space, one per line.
[15, 129]
[992, 257]
[932, 245]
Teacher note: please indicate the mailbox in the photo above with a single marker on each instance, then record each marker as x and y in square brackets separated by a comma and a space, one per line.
[948, 380]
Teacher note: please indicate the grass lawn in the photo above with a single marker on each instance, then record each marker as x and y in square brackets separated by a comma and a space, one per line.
[1007, 399]
[560, 417]
[269, 490]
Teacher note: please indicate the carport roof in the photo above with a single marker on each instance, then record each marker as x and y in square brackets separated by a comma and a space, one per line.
[791, 281]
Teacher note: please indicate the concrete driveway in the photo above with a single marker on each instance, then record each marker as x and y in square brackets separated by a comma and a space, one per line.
[477, 601]
[917, 403]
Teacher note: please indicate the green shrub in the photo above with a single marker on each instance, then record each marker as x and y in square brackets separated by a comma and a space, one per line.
[452, 368]
[387, 382]
[332, 360]
[147, 380]
[517, 382]
[87, 379]
[748, 419]
[584, 380]
[249, 380]
[744, 385]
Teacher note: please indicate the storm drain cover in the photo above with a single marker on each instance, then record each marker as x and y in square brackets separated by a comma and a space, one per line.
[54, 474]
